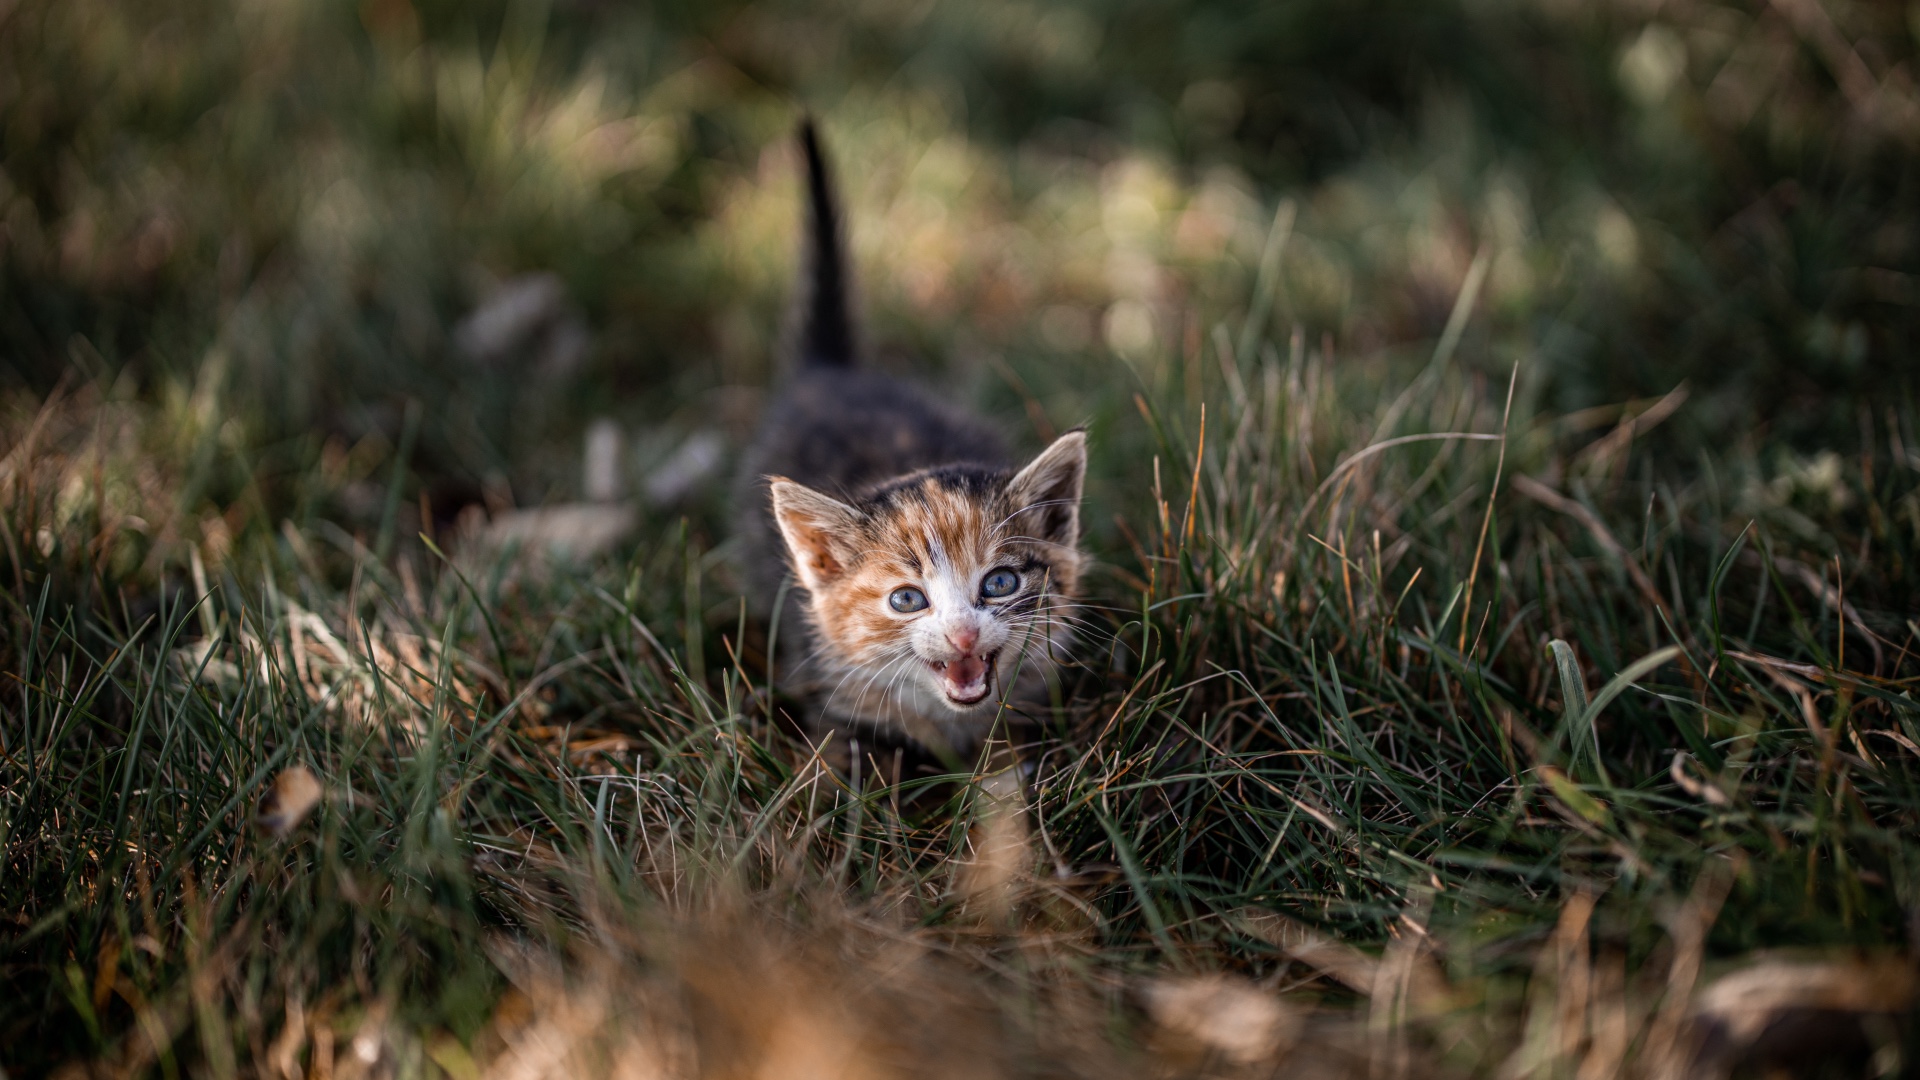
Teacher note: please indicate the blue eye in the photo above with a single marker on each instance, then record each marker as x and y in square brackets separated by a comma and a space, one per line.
[1000, 583]
[907, 599]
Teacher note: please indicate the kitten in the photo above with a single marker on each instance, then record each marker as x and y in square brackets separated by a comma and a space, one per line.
[930, 578]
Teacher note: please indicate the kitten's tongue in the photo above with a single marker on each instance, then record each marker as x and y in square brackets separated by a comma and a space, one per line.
[966, 677]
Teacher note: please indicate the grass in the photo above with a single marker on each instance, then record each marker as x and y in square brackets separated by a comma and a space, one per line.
[1473, 714]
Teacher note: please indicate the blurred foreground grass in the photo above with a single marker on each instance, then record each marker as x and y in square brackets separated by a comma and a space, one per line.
[1458, 753]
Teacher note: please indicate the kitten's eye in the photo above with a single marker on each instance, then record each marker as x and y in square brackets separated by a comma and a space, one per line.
[1000, 583]
[906, 599]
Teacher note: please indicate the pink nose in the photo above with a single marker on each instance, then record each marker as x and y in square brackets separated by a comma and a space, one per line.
[963, 641]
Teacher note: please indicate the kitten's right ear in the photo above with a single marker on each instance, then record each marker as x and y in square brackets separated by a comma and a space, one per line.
[819, 531]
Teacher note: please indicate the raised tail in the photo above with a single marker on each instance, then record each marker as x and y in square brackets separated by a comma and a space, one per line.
[826, 313]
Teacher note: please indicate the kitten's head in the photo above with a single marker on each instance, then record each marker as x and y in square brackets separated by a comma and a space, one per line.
[933, 589]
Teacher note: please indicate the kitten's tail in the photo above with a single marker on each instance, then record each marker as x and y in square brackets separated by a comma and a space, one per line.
[826, 315]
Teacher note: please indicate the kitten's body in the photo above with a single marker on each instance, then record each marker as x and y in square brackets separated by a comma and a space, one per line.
[865, 490]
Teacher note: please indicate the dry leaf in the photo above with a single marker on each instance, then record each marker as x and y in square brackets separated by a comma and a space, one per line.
[1001, 849]
[572, 532]
[1223, 1014]
[1782, 1010]
[295, 793]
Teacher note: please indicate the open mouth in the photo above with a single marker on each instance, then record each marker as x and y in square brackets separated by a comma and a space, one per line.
[966, 681]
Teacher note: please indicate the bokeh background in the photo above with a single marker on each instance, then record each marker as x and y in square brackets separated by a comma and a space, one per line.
[290, 218]
[286, 284]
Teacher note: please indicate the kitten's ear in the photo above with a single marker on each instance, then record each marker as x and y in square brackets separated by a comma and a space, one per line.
[1046, 494]
[819, 531]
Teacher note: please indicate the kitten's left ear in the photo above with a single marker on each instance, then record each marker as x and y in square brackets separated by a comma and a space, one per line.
[1046, 494]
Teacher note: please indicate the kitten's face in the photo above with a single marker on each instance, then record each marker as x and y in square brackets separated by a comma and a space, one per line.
[942, 585]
